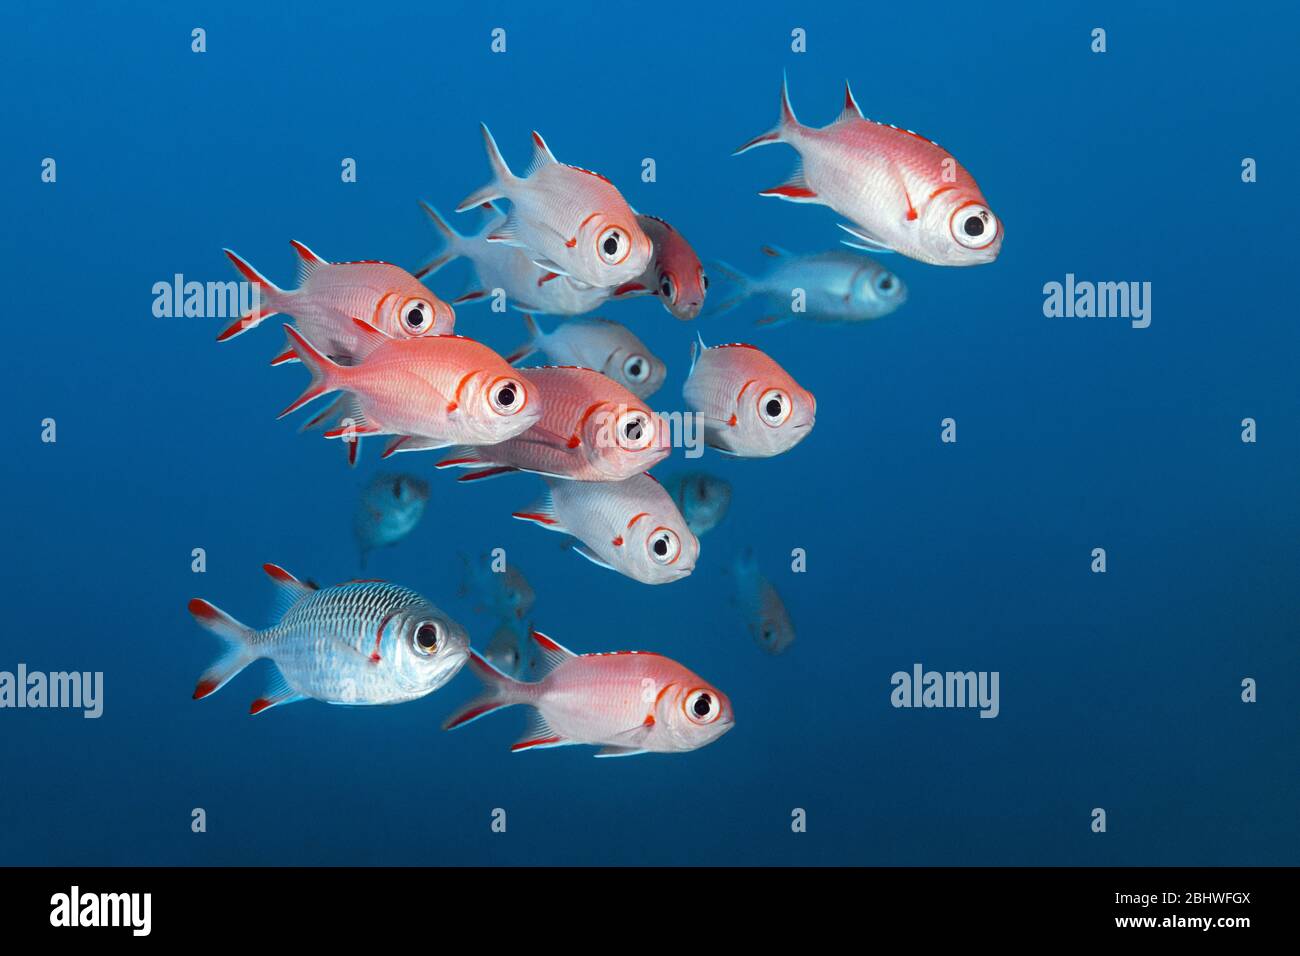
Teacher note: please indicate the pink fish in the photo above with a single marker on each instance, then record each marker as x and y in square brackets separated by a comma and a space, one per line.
[574, 222]
[903, 192]
[752, 407]
[445, 389]
[675, 274]
[632, 527]
[526, 285]
[330, 294]
[625, 702]
[591, 429]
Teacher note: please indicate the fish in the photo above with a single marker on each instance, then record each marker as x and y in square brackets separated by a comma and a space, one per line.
[505, 594]
[703, 499]
[526, 285]
[760, 605]
[574, 222]
[838, 287]
[428, 392]
[363, 642]
[675, 273]
[599, 344]
[330, 294]
[513, 652]
[752, 408]
[624, 702]
[631, 526]
[902, 192]
[591, 429]
[391, 506]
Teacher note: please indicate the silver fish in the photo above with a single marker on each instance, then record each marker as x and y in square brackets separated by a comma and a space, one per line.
[505, 594]
[599, 344]
[839, 287]
[363, 642]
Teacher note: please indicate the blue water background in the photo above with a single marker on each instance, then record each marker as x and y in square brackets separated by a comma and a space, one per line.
[1118, 691]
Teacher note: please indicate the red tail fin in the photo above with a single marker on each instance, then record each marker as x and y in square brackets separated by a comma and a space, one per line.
[499, 692]
[323, 370]
[267, 299]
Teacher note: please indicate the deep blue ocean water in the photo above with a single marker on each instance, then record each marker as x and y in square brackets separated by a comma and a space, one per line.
[1118, 691]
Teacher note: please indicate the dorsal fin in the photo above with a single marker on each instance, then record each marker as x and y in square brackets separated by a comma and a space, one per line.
[371, 338]
[542, 155]
[851, 109]
[553, 653]
[288, 589]
[308, 261]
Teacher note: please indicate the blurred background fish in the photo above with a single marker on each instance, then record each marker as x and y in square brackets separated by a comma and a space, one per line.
[702, 498]
[839, 286]
[504, 594]
[760, 605]
[391, 506]
[513, 652]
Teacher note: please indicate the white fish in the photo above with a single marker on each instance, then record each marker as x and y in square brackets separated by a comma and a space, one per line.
[573, 221]
[609, 348]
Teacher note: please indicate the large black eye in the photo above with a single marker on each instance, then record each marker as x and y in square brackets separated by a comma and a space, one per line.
[632, 430]
[613, 246]
[774, 407]
[887, 283]
[417, 316]
[704, 282]
[666, 286]
[701, 707]
[974, 226]
[506, 396]
[426, 638]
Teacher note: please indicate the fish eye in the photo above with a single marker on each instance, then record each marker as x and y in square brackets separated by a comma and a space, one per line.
[667, 288]
[397, 488]
[417, 316]
[506, 396]
[426, 638]
[974, 226]
[701, 707]
[636, 368]
[886, 284]
[665, 547]
[704, 281]
[613, 245]
[635, 431]
[774, 407]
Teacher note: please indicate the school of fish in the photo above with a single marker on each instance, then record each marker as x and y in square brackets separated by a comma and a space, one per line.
[560, 241]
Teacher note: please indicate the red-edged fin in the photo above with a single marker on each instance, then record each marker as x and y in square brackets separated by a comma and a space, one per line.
[284, 358]
[781, 131]
[499, 690]
[337, 407]
[237, 638]
[553, 650]
[473, 295]
[404, 443]
[322, 370]
[533, 344]
[540, 735]
[371, 337]
[630, 288]
[851, 110]
[486, 473]
[308, 261]
[463, 456]
[542, 513]
[288, 589]
[277, 692]
[792, 192]
[502, 178]
[265, 290]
